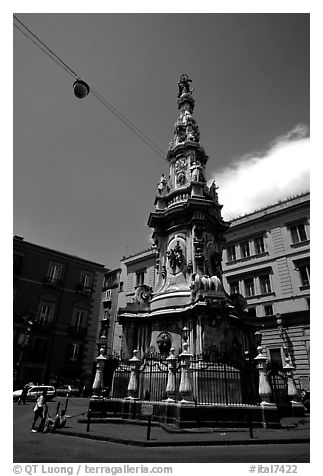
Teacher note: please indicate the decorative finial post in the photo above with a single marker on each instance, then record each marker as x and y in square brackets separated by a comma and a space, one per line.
[98, 383]
[264, 387]
[291, 387]
[133, 380]
[185, 386]
[171, 381]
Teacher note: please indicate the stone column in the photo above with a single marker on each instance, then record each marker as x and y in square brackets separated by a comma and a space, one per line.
[264, 387]
[185, 387]
[133, 384]
[98, 383]
[171, 381]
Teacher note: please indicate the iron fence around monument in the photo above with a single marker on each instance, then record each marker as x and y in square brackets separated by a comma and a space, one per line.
[120, 380]
[216, 383]
[278, 384]
[212, 382]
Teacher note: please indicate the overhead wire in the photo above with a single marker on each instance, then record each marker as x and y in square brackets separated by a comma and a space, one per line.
[42, 49]
[129, 124]
[45, 49]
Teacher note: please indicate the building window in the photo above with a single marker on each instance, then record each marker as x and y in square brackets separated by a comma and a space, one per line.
[298, 233]
[46, 312]
[245, 249]
[107, 295]
[85, 284]
[54, 274]
[121, 287]
[276, 361]
[86, 280]
[259, 245]
[304, 273]
[79, 320]
[140, 278]
[107, 314]
[74, 352]
[268, 308]
[231, 253]
[252, 311]
[234, 288]
[265, 286]
[249, 286]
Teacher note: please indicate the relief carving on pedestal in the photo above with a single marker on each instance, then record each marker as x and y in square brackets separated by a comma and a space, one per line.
[164, 343]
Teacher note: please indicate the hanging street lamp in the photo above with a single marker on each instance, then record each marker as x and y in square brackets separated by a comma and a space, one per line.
[81, 89]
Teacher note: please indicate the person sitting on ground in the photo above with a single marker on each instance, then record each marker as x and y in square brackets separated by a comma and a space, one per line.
[58, 422]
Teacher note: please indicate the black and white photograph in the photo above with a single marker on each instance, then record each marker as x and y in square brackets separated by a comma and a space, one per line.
[161, 241]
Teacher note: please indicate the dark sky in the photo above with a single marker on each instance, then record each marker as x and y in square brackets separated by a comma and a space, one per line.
[83, 183]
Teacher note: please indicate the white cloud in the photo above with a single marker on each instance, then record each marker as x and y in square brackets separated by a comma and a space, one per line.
[262, 178]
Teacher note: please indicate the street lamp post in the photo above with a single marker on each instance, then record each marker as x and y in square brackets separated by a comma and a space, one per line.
[282, 334]
[24, 338]
[98, 383]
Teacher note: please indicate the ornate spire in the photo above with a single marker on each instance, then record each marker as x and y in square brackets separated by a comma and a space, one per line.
[186, 128]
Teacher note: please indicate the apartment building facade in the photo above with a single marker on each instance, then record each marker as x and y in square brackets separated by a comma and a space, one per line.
[267, 260]
[56, 309]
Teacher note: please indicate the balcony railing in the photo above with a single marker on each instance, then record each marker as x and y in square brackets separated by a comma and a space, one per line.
[85, 290]
[42, 325]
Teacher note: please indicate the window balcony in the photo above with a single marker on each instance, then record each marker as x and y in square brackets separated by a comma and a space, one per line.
[259, 296]
[299, 244]
[42, 326]
[51, 282]
[84, 290]
[304, 287]
[247, 258]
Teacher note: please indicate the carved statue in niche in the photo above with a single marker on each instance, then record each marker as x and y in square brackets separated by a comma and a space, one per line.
[183, 86]
[181, 178]
[175, 257]
[164, 343]
[180, 168]
[199, 252]
[197, 172]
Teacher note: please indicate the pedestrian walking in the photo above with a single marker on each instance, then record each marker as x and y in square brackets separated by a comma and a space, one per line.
[40, 411]
[22, 398]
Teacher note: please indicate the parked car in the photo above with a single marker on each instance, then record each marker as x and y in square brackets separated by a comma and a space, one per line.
[34, 391]
[67, 391]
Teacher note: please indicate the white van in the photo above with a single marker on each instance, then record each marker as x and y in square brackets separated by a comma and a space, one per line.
[35, 391]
